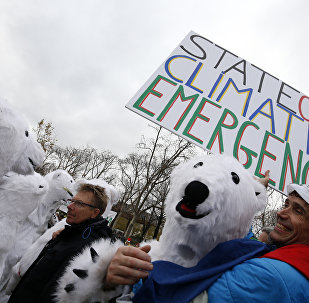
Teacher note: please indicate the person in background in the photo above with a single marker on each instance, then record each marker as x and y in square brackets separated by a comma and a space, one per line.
[85, 226]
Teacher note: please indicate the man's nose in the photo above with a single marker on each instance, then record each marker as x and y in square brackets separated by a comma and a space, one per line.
[71, 205]
[283, 213]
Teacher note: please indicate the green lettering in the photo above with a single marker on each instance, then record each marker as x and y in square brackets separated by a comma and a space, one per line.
[179, 94]
[288, 159]
[148, 91]
[249, 153]
[218, 130]
[266, 153]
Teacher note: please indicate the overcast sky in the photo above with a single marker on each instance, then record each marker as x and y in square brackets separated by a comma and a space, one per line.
[77, 63]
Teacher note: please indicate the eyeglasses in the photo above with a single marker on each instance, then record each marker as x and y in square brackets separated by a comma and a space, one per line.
[79, 203]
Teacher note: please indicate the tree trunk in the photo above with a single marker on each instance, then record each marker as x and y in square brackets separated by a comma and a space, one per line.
[116, 219]
[146, 226]
[155, 234]
[130, 227]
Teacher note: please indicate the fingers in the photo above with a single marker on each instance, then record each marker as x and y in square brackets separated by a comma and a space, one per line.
[119, 274]
[133, 257]
[56, 233]
[265, 180]
[146, 248]
[128, 265]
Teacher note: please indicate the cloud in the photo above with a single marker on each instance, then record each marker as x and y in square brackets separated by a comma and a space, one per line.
[77, 63]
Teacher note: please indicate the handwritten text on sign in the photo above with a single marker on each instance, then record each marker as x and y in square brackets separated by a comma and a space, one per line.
[222, 103]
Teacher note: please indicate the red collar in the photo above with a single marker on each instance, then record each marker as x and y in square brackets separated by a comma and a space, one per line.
[296, 255]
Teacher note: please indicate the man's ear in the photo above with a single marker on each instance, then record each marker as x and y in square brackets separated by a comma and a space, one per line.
[95, 213]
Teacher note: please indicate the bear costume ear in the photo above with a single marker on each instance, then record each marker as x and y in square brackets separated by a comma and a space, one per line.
[55, 175]
[81, 273]
[94, 255]
[115, 195]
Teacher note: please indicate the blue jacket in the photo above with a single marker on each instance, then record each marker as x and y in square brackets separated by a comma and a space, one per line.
[250, 281]
[169, 282]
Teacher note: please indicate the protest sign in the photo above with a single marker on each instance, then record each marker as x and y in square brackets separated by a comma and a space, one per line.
[222, 103]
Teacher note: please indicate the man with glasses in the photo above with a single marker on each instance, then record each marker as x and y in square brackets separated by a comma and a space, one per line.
[85, 226]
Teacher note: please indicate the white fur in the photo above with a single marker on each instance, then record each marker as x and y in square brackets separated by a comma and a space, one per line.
[15, 147]
[91, 286]
[19, 195]
[111, 192]
[30, 256]
[36, 223]
[58, 180]
[229, 207]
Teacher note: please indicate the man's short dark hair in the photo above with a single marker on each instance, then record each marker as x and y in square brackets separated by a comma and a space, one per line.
[99, 196]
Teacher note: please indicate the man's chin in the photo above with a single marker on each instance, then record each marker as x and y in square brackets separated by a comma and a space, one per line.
[69, 220]
[274, 240]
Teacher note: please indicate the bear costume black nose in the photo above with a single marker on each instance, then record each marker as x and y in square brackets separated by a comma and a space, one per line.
[195, 193]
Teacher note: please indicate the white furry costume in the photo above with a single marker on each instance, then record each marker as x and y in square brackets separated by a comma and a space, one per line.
[59, 182]
[19, 195]
[31, 254]
[19, 152]
[212, 199]
[222, 208]
[36, 223]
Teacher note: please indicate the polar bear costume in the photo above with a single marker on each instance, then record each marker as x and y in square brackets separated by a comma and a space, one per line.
[19, 151]
[60, 184]
[19, 195]
[29, 257]
[212, 199]
[31, 254]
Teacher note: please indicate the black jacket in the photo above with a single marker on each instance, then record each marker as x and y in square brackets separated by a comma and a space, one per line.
[39, 282]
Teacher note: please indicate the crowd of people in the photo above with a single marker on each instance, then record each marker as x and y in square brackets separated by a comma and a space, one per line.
[280, 275]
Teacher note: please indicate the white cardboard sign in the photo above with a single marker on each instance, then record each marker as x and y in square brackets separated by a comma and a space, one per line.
[222, 103]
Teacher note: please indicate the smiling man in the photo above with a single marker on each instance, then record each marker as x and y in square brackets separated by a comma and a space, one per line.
[85, 226]
[281, 275]
[293, 220]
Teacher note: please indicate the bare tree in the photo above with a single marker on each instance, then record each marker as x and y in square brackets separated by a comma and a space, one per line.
[142, 173]
[98, 163]
[84, 162]
[160, 214]
[44, 132]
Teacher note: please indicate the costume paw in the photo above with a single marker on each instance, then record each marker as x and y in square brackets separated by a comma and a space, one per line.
[83, 278]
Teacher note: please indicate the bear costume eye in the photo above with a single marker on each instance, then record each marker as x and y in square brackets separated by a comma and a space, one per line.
[198, 164]
[235, 178]
[26, 133]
